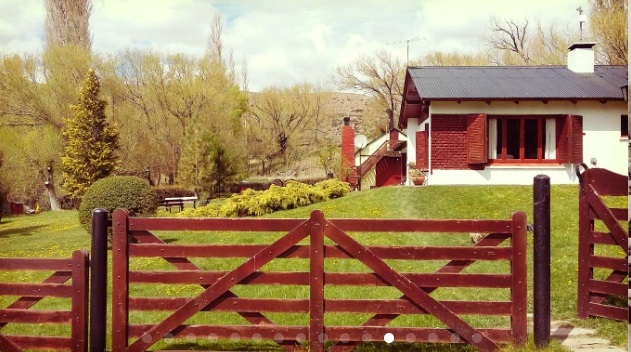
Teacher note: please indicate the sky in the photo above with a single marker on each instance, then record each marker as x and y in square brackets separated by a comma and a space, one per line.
[285, 42]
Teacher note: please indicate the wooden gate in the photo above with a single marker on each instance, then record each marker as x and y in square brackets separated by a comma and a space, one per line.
[321, 244]
[18, 312]
[600, 225]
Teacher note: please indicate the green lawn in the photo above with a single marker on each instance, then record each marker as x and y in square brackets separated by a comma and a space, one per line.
[58, 234]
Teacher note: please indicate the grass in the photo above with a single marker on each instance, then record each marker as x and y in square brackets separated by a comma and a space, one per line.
[58, 234]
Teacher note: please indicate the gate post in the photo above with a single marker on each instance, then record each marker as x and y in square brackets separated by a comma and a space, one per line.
[317, 338]
[541, 260]
[98, 280]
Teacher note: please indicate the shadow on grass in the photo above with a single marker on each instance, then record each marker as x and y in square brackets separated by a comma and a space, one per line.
[218, 346]
[401, 347]
[22, 231]
[362, 347]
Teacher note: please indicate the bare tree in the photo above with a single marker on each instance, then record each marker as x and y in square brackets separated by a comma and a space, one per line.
[608, 23]
[516, 44]
[244, 75]
[439, 58]
[215, 41]
[280, 118]
[381, 76]
[67, 23]
[511, 36]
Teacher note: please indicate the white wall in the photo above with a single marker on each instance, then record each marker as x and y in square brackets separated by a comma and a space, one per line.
[373, 146]
[601, 141]
[412, 127]
[370, 179]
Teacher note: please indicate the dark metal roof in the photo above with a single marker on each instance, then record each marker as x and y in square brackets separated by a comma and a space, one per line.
[518, 83]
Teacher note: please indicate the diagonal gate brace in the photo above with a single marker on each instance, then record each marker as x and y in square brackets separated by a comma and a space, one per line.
[410, 289]
[219, 288]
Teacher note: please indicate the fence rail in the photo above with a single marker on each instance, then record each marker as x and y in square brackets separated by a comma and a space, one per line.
[597, 295]
[73, 269]
[317, 240]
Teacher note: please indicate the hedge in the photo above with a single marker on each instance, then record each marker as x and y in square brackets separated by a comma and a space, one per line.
[254, 203]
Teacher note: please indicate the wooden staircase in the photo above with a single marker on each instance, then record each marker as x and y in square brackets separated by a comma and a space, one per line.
[390, 149]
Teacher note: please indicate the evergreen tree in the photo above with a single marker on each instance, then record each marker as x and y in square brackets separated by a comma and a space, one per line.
[90, 142]
[207, 163]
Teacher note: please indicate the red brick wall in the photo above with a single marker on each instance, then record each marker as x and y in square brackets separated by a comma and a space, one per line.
[449, 142]
[348, 148]
[421, 150]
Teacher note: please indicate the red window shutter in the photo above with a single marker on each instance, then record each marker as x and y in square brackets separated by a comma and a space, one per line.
[422, 149]
[576, 139]
[570, 139]
[477, 152]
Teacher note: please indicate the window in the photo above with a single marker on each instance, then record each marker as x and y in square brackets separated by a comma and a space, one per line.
[522, 139]
[624, 126]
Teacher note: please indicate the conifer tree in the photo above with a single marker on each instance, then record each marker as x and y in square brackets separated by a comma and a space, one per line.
[90, 142]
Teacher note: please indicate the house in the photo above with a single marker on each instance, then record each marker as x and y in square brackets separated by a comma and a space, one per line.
[505, 125]
[380, 162]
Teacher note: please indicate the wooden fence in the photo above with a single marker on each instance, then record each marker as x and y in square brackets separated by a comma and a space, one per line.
[74, 269]
[602, 295]
[318, 240]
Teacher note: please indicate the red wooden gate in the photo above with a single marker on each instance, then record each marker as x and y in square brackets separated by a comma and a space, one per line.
[18, 312]
[323, 243]
[595, 292]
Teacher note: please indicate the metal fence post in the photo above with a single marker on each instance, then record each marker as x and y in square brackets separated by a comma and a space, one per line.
[98, 280]
[541, 260]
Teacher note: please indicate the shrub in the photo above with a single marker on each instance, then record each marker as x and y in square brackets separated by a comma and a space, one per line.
[253, 203]
[129, 192]
[334, 188]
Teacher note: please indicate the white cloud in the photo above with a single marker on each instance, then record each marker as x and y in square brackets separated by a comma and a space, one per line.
[21, 26]
[171, 26]
[283, 41]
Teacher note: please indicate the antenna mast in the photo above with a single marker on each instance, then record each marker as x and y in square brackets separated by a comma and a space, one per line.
[407, 42]
[581, 19]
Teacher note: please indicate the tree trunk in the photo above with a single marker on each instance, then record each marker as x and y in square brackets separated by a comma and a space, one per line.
[50, 187]
[52, 196]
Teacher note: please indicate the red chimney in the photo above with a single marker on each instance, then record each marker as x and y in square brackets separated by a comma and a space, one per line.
[348, 151]
[393, 138]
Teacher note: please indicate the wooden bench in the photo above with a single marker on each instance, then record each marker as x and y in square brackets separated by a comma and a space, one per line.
[169, 202]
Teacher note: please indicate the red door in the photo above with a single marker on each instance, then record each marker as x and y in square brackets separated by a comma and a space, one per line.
[389, 171]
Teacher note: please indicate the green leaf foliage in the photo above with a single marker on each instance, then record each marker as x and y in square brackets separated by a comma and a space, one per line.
[90, 142]
[207, 162]
[254, 203]
[128, 192]
[173, 191]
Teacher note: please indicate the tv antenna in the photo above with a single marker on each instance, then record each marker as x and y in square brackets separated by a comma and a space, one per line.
[407, 43]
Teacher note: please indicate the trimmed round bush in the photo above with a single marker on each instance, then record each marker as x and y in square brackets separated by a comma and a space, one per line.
[128, 192]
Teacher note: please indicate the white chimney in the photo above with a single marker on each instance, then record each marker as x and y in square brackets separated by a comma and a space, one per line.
[580, 59]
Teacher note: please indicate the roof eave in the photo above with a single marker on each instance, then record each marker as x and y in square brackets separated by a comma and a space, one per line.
[524, 99]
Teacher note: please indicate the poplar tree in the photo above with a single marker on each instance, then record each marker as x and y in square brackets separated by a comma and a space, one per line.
[90, 142]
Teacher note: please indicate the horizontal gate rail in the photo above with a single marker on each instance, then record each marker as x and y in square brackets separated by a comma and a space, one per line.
[593, 293]
[318, 240]
[73, 269]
